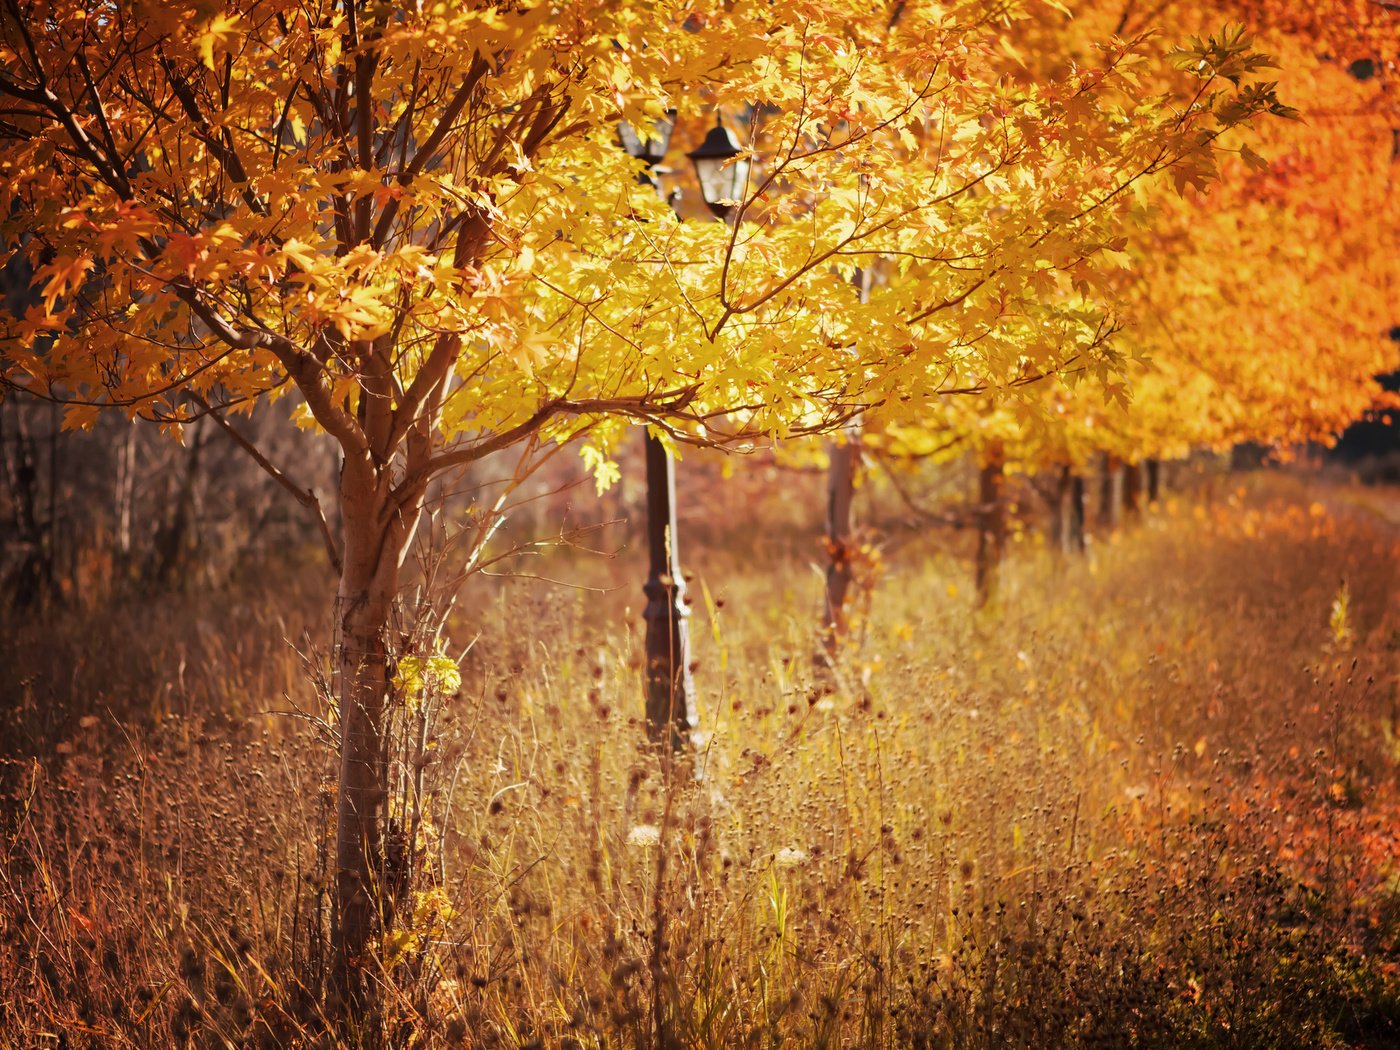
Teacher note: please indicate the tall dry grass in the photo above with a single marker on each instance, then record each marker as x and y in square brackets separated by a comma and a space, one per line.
[1147, 799]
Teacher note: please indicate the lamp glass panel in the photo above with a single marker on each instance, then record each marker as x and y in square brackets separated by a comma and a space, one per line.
[630, 140]
[722, 181]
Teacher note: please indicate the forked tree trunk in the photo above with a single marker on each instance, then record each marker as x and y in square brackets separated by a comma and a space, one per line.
[840, 570]
[991, 523]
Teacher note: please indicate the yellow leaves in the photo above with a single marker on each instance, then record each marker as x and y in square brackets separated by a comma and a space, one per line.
[300, 254]
[302, 418]
[586, 286]
[219, 32]
[605, 472]
[297, 126]
[1339, 621]
[532, 349]
[418, 676]
[428, 919]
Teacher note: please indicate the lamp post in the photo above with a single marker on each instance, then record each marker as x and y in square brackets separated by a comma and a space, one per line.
[670, 690]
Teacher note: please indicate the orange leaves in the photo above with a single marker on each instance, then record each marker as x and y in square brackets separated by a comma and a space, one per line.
[63, 277]
[467, 206]
[220, 33]
[80, 417]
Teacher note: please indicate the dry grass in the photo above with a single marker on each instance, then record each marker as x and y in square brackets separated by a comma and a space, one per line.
[1148, 800]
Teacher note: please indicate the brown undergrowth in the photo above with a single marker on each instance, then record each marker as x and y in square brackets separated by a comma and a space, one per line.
[1148, 799]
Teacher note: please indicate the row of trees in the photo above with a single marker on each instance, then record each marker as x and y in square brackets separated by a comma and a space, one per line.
[1259, 312]
[413, 226]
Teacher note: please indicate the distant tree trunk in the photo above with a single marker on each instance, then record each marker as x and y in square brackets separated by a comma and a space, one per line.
[840, 496]
[51, 530]
[34, 577]
[1111, 493]
[1069, 512]
[1078, 513]
[991, 523]
[1132, 490]
[178, 534]
[1248, 455]
[125, 492]
[1154, 480]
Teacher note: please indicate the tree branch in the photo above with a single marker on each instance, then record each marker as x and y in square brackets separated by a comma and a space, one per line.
[305, 496]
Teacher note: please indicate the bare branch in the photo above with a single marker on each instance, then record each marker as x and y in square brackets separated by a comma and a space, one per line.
[305, 496]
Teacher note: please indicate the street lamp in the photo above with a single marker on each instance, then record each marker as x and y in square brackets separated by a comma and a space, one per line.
[670, 690]
[653, 149]
[671, 711]
[723, 178]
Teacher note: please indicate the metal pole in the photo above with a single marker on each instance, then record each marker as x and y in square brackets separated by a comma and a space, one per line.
[671, 709]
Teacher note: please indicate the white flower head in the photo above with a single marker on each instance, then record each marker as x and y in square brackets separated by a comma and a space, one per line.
[644, 836]
[790, 857]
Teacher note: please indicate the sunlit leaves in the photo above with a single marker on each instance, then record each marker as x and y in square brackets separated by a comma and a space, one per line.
[421, 212]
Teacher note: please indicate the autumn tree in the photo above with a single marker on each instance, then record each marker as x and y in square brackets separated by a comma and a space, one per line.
[413, 224]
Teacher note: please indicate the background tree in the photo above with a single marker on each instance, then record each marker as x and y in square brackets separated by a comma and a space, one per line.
[1255, 312]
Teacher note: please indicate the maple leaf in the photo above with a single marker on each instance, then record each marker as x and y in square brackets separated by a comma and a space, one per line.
[218, 32]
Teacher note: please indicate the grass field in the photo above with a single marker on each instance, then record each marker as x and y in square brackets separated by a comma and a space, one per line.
[1148, 798]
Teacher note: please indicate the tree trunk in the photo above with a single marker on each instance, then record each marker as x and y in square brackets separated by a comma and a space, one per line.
[125, 493]
[1077, 514]
[1132, 490]
[1111, 493]
[33, 579]
[840, 496]
[991, 523]
[55, 426]
[1069, 512]
[840, 499]
[375, 542]
[1154, 480]
[178, 536]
